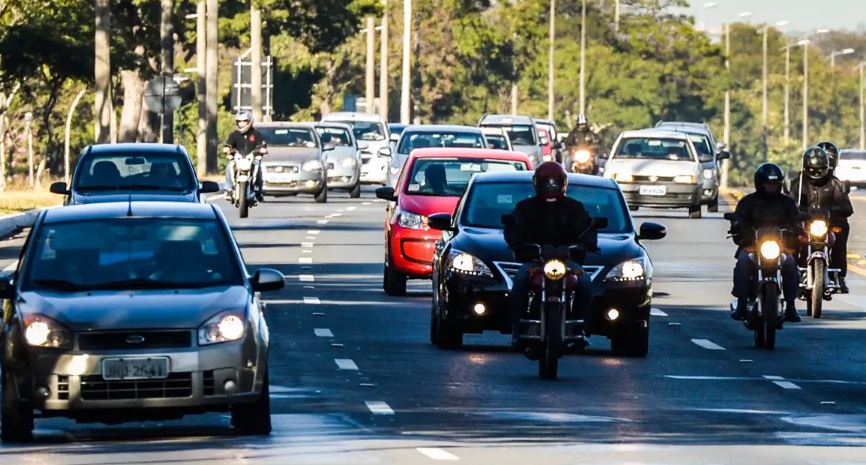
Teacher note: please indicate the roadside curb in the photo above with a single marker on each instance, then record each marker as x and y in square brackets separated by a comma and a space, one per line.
[10, 224]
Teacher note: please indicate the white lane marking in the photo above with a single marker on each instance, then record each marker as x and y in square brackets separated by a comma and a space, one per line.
[306, 251]
[828, 402]
[312, 301]
[351, 209]
[318, 314]
[334, 215]
[306, 278]
[379, 408]
[322, 222]
[711, 378]
[310, 238]
[745, 360]
[11, 267]
[657, 312]
[345, 364]
[707, 344]
[336, 345]
[366, 203]
[305, 259]
[437, 454]
[786, 385]
[307, 245]
[313, 232]
[673, 323]
[773, 377]
[323, 332]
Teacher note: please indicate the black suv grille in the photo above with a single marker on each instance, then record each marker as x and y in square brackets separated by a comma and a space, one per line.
[135, 340]
[93, 387]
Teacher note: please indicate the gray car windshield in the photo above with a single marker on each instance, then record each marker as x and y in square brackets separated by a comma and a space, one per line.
[702, 145]
[654, 149]
[131, 253]
[289, 137]
[366, 131]
[520, 134]
[487, 202]
[496, 141]
[448, 177]
[133, 171]
[334, 137]
[420, 140]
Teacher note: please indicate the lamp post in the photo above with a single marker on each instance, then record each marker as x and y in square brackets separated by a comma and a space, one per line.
[847, 51]
[862, 107]
[28, 129]
[550, 64]
[583, 57]
[805, 44]
[407, 39]
[786, 132]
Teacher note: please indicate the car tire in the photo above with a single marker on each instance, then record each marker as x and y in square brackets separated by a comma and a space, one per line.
[255, 418]
[713, 206]
[393, 282]
[632, 343]
[322, 196]
[695, 212]
[633, 208]
[355, 192]
[443, 333]
[16, 420]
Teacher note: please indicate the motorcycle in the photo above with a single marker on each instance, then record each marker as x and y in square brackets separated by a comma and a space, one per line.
[582, 160]
[764, 313]
[244, 174]
[818, 282]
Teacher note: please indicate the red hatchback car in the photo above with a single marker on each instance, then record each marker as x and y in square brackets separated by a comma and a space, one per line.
[432, 181]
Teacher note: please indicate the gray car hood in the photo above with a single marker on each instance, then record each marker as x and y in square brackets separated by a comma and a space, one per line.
[114, 310]
[291, 154]
[341, 153]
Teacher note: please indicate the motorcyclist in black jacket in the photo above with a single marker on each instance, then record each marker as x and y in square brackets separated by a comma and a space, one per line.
[581, 137]
[766, 207]
[817, 188]
[840, 250]
[549, 218]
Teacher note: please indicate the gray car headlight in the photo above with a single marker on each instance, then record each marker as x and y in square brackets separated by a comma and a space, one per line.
[464, 263]
[348, 163]
[224, 327]
[41, 331]
[708, 174]
[312, 165]
[628, 271]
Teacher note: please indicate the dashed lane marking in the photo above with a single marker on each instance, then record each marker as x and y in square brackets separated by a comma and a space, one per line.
[772, 377]
[379, 408]
[312, 301]
[305, 259]
[707, 344]
[307, 245]
[313, 232]
[334, 215]
[11, 267]
[306, 251]
[366, 203]
[322, 222]
[306, 278]
[657, 312]
[437, 454]
[323, 332]
[351, 209]
[336, 345]
[346, 364]
[787, 385]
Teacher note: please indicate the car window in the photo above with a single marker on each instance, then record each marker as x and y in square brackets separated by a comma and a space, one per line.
[420, 140]
[702, 145]
[448, 177]
[852, 155]
[335, 137]
[487, 202]
[366, 130]
[135, 170]
[654, 149]
[289, 137]
[521, 134]
[497, 141]
[132, 253]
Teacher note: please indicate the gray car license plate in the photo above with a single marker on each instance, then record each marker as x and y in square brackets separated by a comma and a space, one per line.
[135, 368]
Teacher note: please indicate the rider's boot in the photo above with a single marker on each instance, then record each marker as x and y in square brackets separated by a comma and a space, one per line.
[740, 310]
[843, 286]
[791, 314]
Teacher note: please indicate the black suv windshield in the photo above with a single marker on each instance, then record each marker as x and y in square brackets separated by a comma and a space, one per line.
[131, 253]
[133, 171]
[487, 202]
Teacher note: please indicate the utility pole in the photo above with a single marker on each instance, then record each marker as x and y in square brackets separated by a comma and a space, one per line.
[616, 15]
[370, 94]
[726, 133]
[583, 57]
[102, 71]
[28, 130]
[550, 64]
[383, 64]
[256, 61]
[405, 115]
[166, 64]
[765, 113]
[211, 83]
[787, 131]
[805, 94]
[862, 108]
[201, 151]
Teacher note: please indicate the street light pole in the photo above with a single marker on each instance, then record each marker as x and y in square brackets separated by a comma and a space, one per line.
[787, 130]
[764, 103]
[805, 131]
[28, 129]
[726, 135]
[583, 57]
[550, 58]
[383, 64]
[862, 108]
[256, 97]
[370, 94]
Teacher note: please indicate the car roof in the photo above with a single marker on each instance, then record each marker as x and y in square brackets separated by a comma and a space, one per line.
[494, 130]
[352, 116]
[655, 133]
[432, 128]
[688, 129]
[139, 209]
[137, 147]
[547, 122]
[506, 119]
[397, 125]
[574, 179]
[685, 124]
[287, 124]
[332, 124]
[458, 152]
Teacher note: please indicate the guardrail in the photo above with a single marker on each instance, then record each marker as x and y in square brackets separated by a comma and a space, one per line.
[9, 224]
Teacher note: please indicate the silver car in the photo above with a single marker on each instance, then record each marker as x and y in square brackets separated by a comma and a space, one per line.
[344, 161]
[657, 168]
[373, 136]
[521, 131]
[296, 162]
[130, 311]
[431, 135]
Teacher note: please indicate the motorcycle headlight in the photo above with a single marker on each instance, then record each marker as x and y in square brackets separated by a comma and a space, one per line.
[224, 327]
[312, 165]
[708, 174]
[41, 331]
[555, 269]
[818, 228]
[467, 264]
[685, 179]
[411, 220]
[243, 163]
[770, 250]
[348, 163]
[629, 270]
[582, 156]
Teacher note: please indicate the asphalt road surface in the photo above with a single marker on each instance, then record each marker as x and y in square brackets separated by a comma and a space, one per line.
[355, 380]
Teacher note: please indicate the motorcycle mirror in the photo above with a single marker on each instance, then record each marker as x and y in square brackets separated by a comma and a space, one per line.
[7, 287]
[730, 216]
[527, 252]
[652, 231]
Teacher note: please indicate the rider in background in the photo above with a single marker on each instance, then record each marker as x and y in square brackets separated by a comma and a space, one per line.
[839, 254]
[244, 140]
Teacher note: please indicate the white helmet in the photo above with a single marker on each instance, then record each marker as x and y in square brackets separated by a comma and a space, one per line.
[244, 120]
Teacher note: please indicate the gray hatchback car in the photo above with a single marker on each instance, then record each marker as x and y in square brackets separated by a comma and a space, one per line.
[132, 311]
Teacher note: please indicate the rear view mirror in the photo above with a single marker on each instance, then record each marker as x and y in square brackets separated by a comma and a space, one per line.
[730, 216]
[652, 231]
[723, 155]
[58, 188]
[208, 187]
[386, 193]
[385, 152]
[134, 161]
[267, 279]
[440, 221]
[7, 287]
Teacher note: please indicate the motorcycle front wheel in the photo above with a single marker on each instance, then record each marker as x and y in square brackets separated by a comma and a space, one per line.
[243, 199]
[548, 362]
[769, 315]
[815, 303]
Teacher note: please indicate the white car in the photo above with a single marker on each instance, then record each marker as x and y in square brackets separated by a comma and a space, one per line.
[497, 138]
[852, 167]
[372, 134]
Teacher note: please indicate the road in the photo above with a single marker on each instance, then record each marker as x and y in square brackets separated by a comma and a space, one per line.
[355, 379]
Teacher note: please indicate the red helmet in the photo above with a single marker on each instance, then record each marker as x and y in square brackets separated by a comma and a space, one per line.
[550, 181]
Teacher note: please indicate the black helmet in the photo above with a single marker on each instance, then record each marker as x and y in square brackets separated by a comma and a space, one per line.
[816, 163]
[832, 153]
[769, 175]
[550, 181]
[582, 120]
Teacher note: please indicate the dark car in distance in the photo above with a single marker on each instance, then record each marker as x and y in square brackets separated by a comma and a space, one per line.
[473, 267]
[140, 171]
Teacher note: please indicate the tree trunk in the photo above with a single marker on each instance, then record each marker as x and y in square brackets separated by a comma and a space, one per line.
[148, 126]
[133, 93]
[102, 71]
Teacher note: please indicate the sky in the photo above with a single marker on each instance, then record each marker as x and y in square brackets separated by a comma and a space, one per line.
[802, 15]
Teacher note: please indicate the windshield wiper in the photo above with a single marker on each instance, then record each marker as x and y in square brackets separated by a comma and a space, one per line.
[142, 283]
[61, 284]
[97, 188]
[151, 187]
